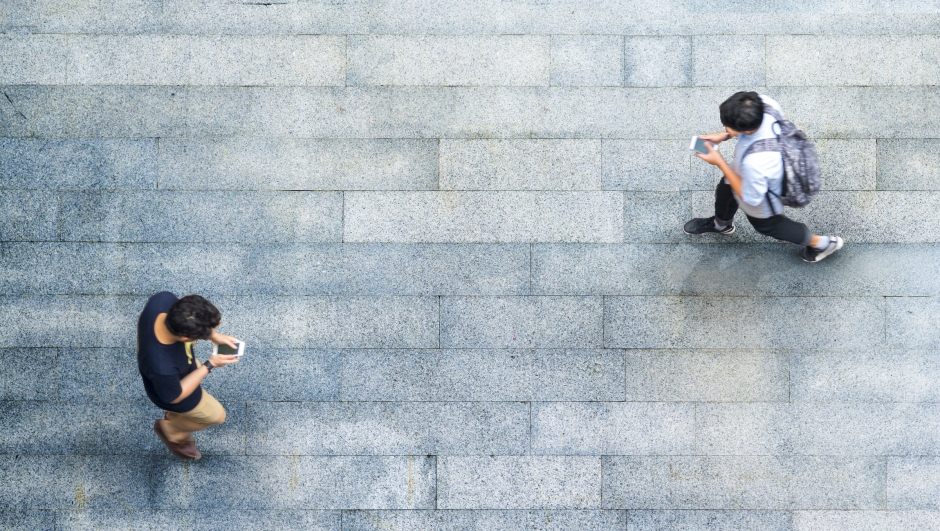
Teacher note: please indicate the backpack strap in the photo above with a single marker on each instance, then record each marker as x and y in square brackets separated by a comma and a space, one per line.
[762, 146]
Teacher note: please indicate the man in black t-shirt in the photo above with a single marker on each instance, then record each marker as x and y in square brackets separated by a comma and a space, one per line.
[166, 331]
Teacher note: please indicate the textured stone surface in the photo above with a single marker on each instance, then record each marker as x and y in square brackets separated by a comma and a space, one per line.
[912, 483]
[587, 60]
[32, 59]
[657, 61]
[28, 374]
[865, 376]
[907, 322]
[68, 321]
[866, 520]
[696, 520]
[558, 520]
[906, 164]
[728, 60]
[28, 216]
[650, 165]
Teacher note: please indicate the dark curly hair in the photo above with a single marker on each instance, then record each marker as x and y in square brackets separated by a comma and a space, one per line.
[743, 111]
[193, 317]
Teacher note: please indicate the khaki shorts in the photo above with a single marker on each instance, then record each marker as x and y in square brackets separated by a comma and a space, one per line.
[207, 411]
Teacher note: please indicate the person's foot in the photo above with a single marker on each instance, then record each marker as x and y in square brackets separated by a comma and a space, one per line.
[184, 450]
[813, 255]
[706, 226]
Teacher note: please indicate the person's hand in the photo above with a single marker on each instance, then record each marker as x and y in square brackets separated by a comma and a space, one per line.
[221, 360]
[222, 339]
[714, 157]
[715, 138]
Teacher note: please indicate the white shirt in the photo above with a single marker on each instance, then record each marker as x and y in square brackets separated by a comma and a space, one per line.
[759, 170]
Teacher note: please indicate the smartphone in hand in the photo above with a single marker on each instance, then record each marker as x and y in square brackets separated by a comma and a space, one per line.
[700, 145]
[225, 349]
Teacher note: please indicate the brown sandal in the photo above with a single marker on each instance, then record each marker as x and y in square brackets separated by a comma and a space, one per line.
[185, 450]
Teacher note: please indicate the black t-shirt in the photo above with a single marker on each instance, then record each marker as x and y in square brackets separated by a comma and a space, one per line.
[163, 366]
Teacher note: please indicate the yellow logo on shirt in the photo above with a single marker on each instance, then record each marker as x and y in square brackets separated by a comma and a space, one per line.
[189, 351]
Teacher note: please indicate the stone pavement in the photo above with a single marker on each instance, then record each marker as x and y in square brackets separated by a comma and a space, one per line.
[450, 233]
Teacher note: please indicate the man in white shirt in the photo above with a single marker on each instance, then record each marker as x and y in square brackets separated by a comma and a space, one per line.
[748, 180]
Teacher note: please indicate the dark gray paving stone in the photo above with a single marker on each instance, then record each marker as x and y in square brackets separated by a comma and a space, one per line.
[865, 376]
[489, 375]
[866, 520]
[69, 321]
[707, 376]
[650, 165]
[117, 16]
[74, 482]
[124, 520]
[28, 215]
[693, 322]
[98, 375]
[222, 520]
[908, 164]
[388, 428]
[107, 164]
[521, 322]
[298, 164]
[657, 61]
[912, 483]
[716, 520]
[27, 520]
[908, 322]
[184, 268]
[511, 482]
[656, 217]
[519, 520]
[587, 60]
[296, 482]
[390, 269]
[332, 322]
[35, 268]
[28, 374]
[272, 374]
[203, 217]
[610, 428]
[32, 59]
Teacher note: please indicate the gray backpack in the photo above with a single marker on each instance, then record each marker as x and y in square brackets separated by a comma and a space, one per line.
[800, 164]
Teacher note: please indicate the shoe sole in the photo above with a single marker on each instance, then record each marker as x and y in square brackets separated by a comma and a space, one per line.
[733, 228]
[839, 243]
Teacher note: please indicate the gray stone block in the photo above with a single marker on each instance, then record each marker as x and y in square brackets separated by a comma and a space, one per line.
[856, 60]
[908, 322]
[286, 60]
[848, 483]
[295, 482]
[847, 164]
[707, 376]
[332, 322]
[482, 217]
[129, 520]
[271, 374]
[61, 268]
[203, 216]
[74, 482]
[912, 483]
[452, 60]
[650, 166]
[658, 61]
[69, 16]
[107, 164]
[298, 164]
[510, 482]
[28, 374]
[865, 376]
[626, 428]
[223, 520]
[908, 164]
[206, 269]
[728, 60]
[587, 60]
[745, 429]
[664, 322]
[69, 321]
[388, 428]
[866, 521]
[32, 59]
[98, 375]
[655, 217]
[521, 322]
[520, 164]
[482, 375]
[27, 520]
[704, 174]
[718, 520]
[560, 520]
[390, 269]
[28, 216]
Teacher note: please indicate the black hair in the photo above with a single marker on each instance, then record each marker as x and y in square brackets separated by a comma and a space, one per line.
[743, 111]
[192, 316]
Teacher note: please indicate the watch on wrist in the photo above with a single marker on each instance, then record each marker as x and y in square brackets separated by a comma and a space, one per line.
[208, 366]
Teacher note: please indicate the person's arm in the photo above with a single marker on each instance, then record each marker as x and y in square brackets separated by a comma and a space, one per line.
[716, 138]
[191, 381]
[715, 158]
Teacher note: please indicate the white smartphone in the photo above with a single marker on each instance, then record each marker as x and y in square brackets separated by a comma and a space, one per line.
[700, 145]
[225, 349]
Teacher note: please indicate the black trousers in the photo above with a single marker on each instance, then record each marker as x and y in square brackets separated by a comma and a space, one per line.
[779, 227]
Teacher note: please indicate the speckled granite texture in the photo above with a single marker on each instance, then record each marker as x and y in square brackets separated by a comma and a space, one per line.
[450, 232]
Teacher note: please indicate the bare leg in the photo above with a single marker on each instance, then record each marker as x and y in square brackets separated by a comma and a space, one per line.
[814, 241]
[179, 429]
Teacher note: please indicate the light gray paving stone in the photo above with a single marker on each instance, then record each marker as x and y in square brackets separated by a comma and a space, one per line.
[78, 164]
[28, 216]
[913, 483]
[298, 164]
[332, 322]
[97, 375]
[650, 166]
[32, 59]
[609, 428]
[69, 321]
[453, 60]
[658, 61]
[206, 269]
[728, 60]
[74, 482]
[482, 217]
[908, 164]
[707, 376]
[272, 374]
[223, 520]
[388, 428]
[704, 174]
[511, 482]
[35, 268]
[69, 16]
[745, 429]
[130, 520]
[521, 322]
[470, 520]
[291, 60]
[865, 376]
[202, 216]
[847, 164]
[656, 217]
[866, 520]
[295, 482]
[908, 322]
[587, 60]
[28, 374]
[860, 60]
[848, 483]
[717, 520]
[27, 520]
[520, 164]
[543, 375]
[399, 269]
[691, 322]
